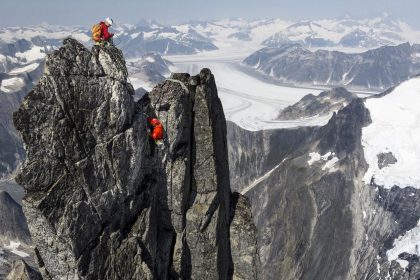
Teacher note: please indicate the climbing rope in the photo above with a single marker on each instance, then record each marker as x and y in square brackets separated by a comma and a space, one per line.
[118, 40]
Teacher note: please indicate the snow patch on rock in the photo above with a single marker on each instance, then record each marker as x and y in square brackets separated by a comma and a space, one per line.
[407, 243]
[13, 247]
[314, 157]
[330, 164]
[27, 68]
[33, 54]
[403, 263]
[11, 85]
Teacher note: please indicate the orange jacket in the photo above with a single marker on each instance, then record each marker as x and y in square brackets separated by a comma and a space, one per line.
[157, 128]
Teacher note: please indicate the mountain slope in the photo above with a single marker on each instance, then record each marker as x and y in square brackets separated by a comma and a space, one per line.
[376, 69]
[323, 104]
[338, 204]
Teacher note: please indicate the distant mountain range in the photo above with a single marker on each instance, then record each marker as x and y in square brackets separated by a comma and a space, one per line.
[152, 37]
[350, 33]
[332, 33]
[375, 69]
[146, 71]
[196, 36]
[134, 40]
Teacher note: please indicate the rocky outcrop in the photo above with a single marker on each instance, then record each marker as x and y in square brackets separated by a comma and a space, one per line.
[22, 271]
[243, 235]
[323, 104]
[103, 200]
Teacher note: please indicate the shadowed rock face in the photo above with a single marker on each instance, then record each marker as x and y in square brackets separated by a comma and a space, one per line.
[254, 153]
[103, 201]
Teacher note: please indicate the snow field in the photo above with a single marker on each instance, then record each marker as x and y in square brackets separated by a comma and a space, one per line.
[395, 128]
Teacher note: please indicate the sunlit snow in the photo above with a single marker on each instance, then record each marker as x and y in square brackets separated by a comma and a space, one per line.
[27, 68]
[13, 247]
[407, 243]
[32, 54]
[395, 129]
[12, 84]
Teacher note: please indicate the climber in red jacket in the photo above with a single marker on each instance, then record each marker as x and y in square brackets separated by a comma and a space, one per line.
[100, 33]
[156, 131]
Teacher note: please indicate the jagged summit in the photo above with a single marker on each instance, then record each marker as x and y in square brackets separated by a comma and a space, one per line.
[103, 201]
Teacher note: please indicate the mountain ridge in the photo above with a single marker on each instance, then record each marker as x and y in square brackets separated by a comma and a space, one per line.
[376, 69]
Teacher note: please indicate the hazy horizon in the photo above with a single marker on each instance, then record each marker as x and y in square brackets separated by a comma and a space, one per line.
[83, 13]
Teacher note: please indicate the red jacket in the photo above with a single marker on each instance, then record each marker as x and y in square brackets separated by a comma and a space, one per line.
[157, 128]
[105, 33]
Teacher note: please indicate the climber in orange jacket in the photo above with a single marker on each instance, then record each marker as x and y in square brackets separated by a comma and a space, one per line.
[156, 131]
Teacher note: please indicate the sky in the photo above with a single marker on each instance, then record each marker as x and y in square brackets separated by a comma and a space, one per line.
[87, 12]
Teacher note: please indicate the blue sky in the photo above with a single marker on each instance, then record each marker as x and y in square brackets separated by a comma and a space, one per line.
[85, 12]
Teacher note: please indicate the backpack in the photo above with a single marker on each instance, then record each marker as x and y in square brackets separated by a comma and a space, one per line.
[96, 32]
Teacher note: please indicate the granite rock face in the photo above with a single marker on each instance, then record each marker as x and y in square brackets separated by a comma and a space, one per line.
[243, 234]
[103, 200]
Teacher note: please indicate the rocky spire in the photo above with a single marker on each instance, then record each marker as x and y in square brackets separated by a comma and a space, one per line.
[103, 201]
